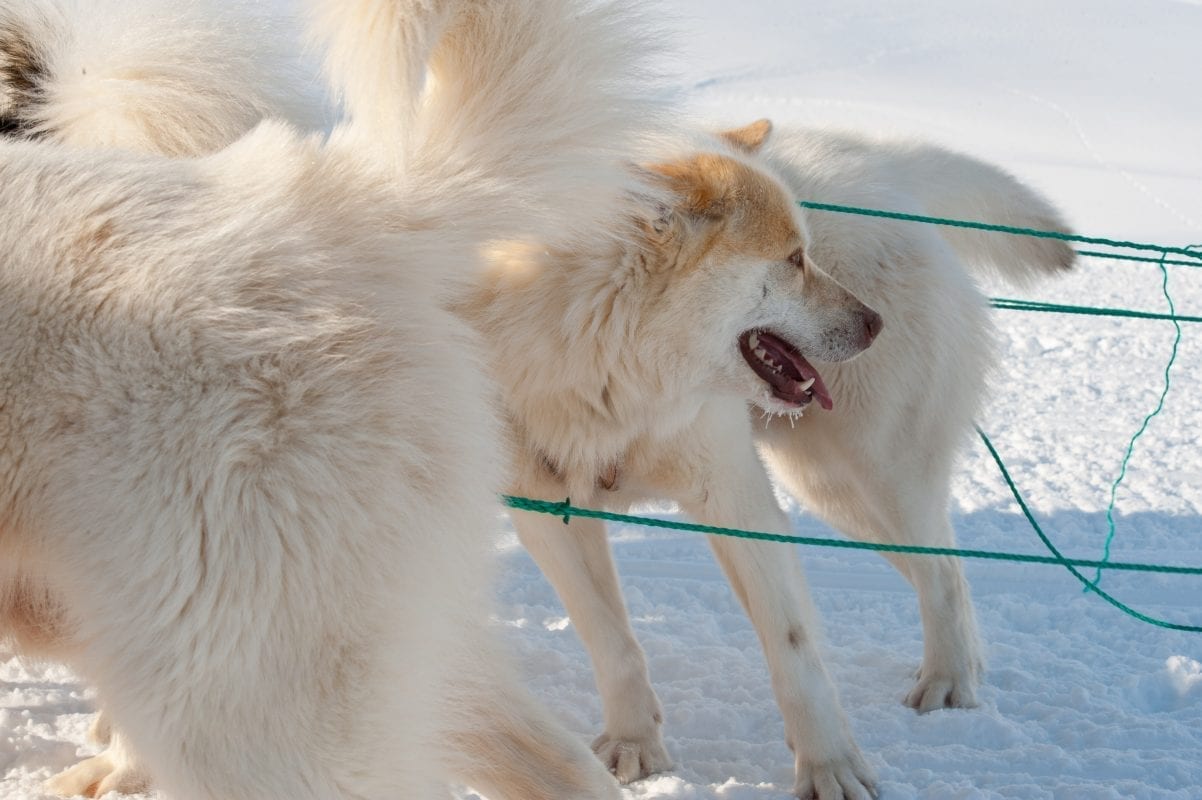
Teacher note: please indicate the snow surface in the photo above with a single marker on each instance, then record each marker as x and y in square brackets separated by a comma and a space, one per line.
[1095, 102]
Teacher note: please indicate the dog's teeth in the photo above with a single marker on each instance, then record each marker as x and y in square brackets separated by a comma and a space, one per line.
[754, 341]
[762, 355]
[805, 387]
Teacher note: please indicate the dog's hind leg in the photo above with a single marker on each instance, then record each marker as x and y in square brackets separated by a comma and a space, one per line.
[577, 561]
[114, 770]
[840, 478]
[506, 745]
[36, 619]
[952, 660]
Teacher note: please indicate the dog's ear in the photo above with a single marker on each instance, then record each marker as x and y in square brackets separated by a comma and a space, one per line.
[702, 184]
[749, 138]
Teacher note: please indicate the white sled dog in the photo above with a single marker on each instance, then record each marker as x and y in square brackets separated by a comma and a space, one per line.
[626, 372]
[878, 465]
[247, 462]
[626, 369]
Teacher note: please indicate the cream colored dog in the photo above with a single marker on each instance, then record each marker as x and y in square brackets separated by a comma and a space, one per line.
[626, 373]
[247, 463]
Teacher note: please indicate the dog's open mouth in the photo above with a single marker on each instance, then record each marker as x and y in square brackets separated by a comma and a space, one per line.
[791, 378]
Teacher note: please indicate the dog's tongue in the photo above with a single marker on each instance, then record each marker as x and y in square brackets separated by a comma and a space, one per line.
[790, 387]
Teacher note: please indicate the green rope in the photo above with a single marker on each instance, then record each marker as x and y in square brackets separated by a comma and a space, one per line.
[566, 510]
[1007, 304]
[1126, 257]
[1110, 527]
[1031, 305]
[1071, 566]
[985, 226]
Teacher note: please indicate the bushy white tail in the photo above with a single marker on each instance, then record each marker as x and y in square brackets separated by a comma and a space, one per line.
[535, 105]
[176, 77]
[516, 115]
[954, 185]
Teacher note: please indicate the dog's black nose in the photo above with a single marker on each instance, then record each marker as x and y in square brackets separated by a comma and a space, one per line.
[872, 324]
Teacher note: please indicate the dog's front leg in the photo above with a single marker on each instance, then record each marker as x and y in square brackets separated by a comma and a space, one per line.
[577, 561]
[771, 588]
[720, 480]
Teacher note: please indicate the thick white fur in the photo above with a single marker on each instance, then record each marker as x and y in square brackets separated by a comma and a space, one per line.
[248, 464]
[878, 466]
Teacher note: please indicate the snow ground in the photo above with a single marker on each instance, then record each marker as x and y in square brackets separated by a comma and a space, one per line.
[1095, 102]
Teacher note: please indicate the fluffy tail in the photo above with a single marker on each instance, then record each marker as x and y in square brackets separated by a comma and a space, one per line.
[957, 186]
[177, 77]
[520, 112]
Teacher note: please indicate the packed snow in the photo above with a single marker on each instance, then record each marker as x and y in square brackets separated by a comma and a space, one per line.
[1095, 102]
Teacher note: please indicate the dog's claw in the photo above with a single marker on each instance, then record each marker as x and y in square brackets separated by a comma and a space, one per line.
[850, 779]
[941, 691]
[632, 759]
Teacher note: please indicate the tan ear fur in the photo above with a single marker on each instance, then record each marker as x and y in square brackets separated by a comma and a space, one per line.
[749, 138]
[704, 183]
[756, 213]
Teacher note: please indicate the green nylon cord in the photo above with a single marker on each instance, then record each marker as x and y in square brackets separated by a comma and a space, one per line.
[1071, 567]
[1145, 259]
[1110, 527]
[1007, 304]
[1030, 305]
[986, 226]
[566, 510]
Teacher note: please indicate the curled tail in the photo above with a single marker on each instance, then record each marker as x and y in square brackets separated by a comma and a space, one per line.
[176, 77]
[956, 186]
[530, 108]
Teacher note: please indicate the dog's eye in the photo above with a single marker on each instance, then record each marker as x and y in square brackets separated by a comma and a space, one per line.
[798, 259]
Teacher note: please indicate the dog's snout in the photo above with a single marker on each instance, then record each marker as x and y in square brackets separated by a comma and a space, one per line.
[872, 324]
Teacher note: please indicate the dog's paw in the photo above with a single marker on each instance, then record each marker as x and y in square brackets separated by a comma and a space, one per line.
[847, 778]
[934, 690]
[96, 777]
[632, 758]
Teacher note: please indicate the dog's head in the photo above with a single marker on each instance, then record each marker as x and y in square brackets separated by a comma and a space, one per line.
[731, 244]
